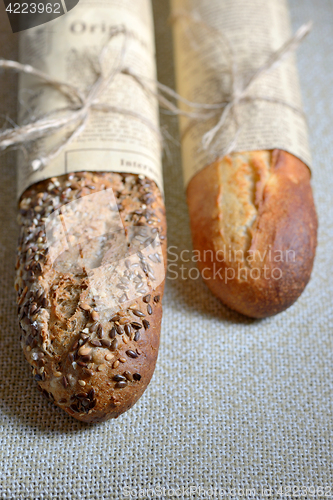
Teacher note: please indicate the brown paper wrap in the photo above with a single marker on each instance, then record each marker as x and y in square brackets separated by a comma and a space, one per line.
[239, 36]
[67, 49]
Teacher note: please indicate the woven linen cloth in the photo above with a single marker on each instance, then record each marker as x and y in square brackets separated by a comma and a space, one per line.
[235, 404]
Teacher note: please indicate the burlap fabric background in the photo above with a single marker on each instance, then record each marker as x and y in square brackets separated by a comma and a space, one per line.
[234, 403]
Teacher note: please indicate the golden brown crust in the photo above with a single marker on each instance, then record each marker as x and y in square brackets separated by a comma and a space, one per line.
[92, 363]
[253, 220]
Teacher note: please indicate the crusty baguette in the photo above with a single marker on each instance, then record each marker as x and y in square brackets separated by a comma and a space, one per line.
[253, 220]
[93, 368]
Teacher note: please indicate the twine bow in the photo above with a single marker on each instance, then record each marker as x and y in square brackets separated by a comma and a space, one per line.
[240, 86]
[81, 104]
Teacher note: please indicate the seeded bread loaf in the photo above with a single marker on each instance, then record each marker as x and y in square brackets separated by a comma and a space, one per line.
[93, 362]
[254, 225]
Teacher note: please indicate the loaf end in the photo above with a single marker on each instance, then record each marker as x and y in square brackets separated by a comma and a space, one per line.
[254, 223]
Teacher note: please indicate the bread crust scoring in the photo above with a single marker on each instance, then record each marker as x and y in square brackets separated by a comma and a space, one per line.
[254, 223]
[94, 367]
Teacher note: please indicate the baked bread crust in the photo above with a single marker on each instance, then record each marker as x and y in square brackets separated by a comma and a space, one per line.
[254, 224]
[93, 368]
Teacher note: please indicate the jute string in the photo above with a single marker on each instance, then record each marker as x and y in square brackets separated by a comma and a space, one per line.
[240, 85]
[81, 104]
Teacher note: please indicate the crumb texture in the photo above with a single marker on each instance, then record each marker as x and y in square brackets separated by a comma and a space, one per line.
[242, 178]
